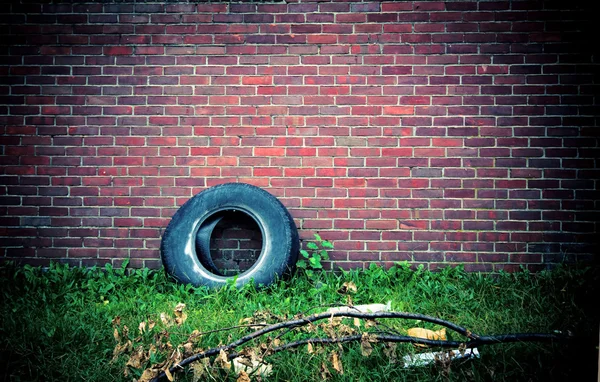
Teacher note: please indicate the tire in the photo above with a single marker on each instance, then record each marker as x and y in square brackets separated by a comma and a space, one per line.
[185, 245]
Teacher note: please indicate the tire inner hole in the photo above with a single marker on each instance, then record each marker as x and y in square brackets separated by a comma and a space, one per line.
[235, 243]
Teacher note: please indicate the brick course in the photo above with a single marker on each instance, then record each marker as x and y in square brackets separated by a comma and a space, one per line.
[433, 132]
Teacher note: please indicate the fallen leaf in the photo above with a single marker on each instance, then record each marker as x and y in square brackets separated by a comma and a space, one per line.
[151, 350]
[180, 315]
[137, 358]
[370, 323]
[348, 287]
[254, 366]
[221, 361]
[148, 375]
[151, 324]
[325, 373]
[194, 336]
[335, 321]
[309, 348]
[116, 335]
[336, 363]
[427, 334]
[357, 322]
[345, 330]
[365, 345]
[166, 320]
[176, 356]
[243, 377]
[116, 321]
[118, 350]
[142, 327]
[199, 369]
[188, 349]
[389, 349]
[168, 374]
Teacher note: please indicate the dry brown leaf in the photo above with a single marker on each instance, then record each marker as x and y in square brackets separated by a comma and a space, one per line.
[246, 320]
[116, 321]
[176, 356]
[137, 358]
[365, 345]
[118, 350]
[345, 330]
[349, 300]
[165, 319]
[244, 361]
[325, 373]
[427, 334]
[389, 349]
[148, 375]
[194, 336]
[116, 335]
[335, 321]
[221, 361]
[336, 363]
[348, 287]
[168, 374]
[199, 369]
[248, 352]
[243, 377]
[357, 322]
[309, 348]
[370, 324]
[188, 349]
[180, 315]
[329, 330]
[142, 327]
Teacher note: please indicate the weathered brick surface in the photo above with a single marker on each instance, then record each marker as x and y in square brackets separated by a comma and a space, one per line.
[433, 132]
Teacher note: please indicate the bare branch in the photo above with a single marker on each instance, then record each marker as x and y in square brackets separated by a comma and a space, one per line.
[473, 339]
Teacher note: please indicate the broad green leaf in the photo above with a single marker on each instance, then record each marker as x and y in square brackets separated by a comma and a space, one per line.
[301, 264]
[312, 245]
[315, 262]
[326, 244]
[317, 237]
[304, 253]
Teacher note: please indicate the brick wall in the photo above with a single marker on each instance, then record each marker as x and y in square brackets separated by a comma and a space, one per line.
[433, 132]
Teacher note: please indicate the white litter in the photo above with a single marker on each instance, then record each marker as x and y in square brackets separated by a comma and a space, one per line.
[422, 359]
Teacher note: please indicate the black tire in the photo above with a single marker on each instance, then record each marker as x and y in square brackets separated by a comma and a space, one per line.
[185, 243]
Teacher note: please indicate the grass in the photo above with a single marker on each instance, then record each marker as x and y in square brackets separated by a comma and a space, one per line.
[59, 324]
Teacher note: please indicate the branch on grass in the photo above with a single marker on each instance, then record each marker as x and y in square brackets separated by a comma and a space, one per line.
[473, 339]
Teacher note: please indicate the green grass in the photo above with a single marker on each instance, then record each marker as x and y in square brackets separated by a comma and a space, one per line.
[57, 324]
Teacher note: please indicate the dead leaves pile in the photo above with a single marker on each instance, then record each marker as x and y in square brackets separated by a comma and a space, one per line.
[149, 361]
[139, 356]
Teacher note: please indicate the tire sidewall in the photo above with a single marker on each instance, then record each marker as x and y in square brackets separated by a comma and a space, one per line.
[280, 237]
